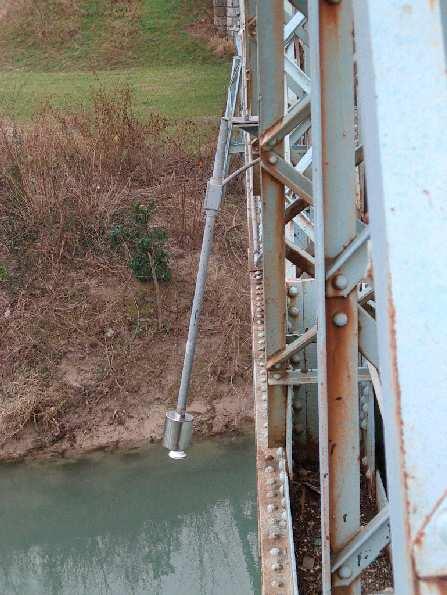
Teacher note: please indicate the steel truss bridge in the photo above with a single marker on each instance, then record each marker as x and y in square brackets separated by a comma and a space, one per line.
[340, 110]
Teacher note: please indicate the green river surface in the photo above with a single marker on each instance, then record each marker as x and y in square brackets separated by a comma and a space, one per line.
[132, 523]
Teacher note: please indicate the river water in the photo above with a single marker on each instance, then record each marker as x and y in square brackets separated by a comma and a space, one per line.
[132, 523]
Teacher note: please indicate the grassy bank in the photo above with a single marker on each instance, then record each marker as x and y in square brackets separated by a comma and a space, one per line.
[177, 91]
[57, 51]
[100, 226]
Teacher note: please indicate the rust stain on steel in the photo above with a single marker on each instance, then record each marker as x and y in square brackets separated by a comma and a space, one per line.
[276, 571]
[433, 4]
[294, 209]
[421, 533]
[300, 258]
[399, 422]
[269, 134]
[435, 586]
[342, 405]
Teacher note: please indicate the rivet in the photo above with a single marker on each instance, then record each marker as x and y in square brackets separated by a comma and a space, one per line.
[295, 358]
[345, 572]
[275, 551]
[269, 469]
[340, 282]
[294, 312]
[340, 319]
[271, 508]
[364, 424]
[273, 534]
[298, 406]
[273, 159]
[277, 376]
[277, 584]
[292, 291]
[276, 566]
[268, 457]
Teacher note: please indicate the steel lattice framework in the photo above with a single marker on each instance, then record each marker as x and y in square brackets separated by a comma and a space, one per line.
[349, 286]
[340, 109]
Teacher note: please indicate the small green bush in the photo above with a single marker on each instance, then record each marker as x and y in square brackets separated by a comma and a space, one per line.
[3, 272]
[146, 245]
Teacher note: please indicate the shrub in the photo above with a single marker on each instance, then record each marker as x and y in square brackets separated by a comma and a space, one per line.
[149, 259]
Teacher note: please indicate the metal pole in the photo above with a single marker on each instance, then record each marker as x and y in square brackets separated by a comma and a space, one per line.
[212, 204]
[178, 424]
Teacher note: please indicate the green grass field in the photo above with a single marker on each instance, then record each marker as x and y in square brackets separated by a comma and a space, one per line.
[49, 56]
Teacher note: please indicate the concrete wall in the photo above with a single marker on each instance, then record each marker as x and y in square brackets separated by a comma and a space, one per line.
[226, 15]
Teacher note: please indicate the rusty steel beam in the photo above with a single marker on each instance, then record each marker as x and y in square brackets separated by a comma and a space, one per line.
[298, 205]
[270, 31]
[331, 27]
[401, 59]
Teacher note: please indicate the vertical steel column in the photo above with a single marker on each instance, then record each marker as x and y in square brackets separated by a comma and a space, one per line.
[335, 214]
[401, 56]
[269, 23]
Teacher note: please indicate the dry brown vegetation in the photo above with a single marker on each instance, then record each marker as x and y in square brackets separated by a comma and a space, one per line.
[80, 339]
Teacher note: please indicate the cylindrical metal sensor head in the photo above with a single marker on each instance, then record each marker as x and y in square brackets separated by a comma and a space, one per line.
[177, 433]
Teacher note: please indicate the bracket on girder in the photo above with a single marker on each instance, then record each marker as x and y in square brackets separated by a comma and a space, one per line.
[362, 550]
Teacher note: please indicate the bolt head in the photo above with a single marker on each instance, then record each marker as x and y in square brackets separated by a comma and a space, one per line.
[294, 312]
[340, 319]
[345, 572]
[340, 282]
[273, 159]
[292, 291]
